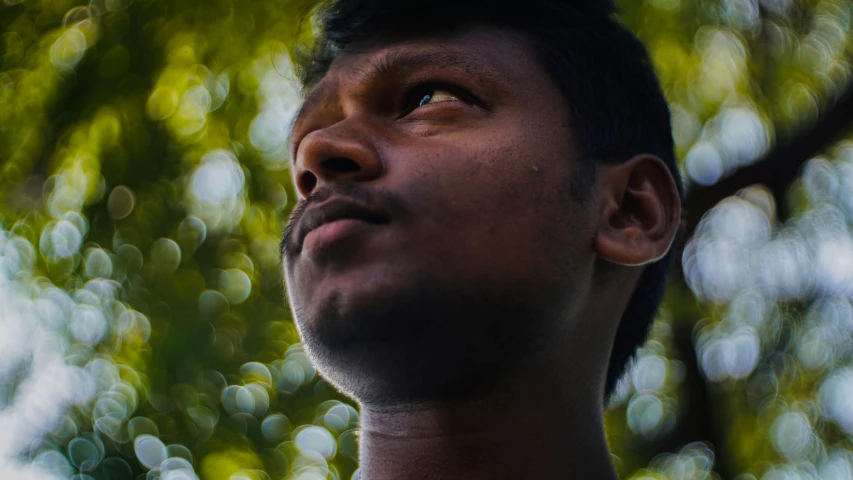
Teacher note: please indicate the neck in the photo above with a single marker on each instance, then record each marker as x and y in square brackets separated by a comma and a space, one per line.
[547, 427]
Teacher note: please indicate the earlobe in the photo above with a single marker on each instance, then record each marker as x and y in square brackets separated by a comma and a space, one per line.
[614, 252]
[626, 247]
[640, 211]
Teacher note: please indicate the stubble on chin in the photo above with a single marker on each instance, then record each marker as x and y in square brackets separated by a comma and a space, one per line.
[413, 348]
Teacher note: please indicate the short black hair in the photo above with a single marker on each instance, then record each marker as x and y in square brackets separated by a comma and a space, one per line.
[616, 108]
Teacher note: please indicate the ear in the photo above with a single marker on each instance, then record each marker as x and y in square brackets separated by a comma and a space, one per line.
[640, 211]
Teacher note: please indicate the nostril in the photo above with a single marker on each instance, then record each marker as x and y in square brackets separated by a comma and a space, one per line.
[308, 181]
[341, 165]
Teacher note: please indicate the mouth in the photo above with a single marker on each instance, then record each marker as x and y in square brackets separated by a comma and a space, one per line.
[333, 221]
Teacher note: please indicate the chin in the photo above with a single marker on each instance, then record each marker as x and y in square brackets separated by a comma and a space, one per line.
[414, 345]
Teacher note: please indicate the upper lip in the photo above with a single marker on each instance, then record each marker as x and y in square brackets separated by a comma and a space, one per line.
[337, 209]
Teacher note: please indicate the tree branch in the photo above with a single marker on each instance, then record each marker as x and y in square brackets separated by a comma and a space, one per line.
[776, 171]
[780, 167]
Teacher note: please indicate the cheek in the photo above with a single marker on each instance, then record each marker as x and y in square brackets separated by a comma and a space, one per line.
[517, 174]
[497, 197]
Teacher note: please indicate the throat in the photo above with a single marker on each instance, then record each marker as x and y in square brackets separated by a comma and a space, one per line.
[479, 440]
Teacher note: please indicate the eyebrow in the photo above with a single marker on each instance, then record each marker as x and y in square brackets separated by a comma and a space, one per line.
[398, 64]
[401, 63]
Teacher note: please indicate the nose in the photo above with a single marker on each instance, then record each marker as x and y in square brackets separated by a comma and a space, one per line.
[336, 154]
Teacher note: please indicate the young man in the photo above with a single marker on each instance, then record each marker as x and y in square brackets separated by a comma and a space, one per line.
[489, 193]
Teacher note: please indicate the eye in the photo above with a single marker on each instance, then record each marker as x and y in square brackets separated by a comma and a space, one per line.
[428, 94]
[436, 96]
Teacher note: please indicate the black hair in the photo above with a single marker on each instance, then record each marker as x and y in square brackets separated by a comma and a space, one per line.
[616, 108]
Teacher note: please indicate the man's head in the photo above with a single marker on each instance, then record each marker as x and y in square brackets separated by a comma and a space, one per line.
[511, 189]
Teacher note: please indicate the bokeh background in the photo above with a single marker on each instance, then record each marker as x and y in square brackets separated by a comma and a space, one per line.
[144, 183]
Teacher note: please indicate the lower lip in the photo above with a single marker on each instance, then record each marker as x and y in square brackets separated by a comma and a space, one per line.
[328, 234]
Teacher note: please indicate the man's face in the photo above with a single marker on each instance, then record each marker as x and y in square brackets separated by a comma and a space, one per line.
[440, 241]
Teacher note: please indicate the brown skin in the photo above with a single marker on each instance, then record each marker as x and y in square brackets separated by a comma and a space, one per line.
[474, 328]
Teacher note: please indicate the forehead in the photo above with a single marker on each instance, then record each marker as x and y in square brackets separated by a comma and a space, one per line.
[486, 53]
